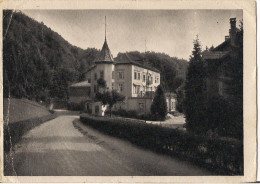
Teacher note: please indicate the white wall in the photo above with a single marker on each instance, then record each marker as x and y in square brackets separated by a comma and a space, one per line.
[135, 103]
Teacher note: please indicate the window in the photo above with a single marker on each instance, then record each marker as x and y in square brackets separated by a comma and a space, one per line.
[139, 76]
[148, 80]
[121, 75]
[113, 74]
[151, 80]
[95, 88]
[121, 87]
[95, 76]
[89, 80]
[156, 80]
[136, 89]
[102, 74]
[135, 75]
[141, 107]
[96, 109]
[143, 77]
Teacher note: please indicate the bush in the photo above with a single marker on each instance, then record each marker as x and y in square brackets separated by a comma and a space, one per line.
[222, 119]
[132, 114]
[223, 156]
[159, 105]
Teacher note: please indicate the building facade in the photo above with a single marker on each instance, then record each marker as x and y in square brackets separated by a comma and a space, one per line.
[217, 59]
[136, 82]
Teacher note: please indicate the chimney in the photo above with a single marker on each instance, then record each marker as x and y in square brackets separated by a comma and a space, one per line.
[233, 31]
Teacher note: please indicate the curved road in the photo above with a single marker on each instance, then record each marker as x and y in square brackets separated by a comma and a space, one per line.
[65, 147]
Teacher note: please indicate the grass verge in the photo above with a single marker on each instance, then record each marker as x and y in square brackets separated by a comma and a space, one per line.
[13, 132]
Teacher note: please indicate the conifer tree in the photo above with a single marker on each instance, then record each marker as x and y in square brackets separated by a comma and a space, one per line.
[159, 105]
[195, 85]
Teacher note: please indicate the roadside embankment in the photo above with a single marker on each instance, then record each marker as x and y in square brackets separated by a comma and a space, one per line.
[221, 155]
[20, 116]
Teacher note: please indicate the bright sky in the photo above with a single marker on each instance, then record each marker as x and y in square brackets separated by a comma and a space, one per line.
[168, 31]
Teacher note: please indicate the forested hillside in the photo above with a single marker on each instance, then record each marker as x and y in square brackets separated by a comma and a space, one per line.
[39, 64]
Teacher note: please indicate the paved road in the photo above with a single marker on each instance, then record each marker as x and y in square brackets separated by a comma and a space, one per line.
[65, 147]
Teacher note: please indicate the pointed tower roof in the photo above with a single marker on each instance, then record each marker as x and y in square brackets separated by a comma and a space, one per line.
[105, 54]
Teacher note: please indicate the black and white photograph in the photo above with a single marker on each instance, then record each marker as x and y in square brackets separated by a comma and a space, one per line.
[123, 92]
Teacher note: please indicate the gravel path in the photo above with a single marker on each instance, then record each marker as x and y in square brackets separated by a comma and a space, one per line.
[65, 147]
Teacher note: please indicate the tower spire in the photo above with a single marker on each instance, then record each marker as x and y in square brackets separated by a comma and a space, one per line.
[105, 28]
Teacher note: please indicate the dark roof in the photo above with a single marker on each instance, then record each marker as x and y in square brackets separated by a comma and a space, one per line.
[215, 54]
[105, 55]
[223, 46]
[91, 67]
[127, 59]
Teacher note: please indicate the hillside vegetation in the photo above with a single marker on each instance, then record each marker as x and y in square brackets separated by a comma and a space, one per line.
[22, 109]
[39, 64]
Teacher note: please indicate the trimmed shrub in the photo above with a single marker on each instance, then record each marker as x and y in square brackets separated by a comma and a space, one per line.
[159, 105]
[221, 155]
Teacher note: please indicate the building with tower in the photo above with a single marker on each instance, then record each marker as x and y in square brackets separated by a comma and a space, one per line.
[136, 82]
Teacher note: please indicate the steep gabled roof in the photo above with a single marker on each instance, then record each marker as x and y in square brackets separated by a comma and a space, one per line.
[105, 55]
[127, 59]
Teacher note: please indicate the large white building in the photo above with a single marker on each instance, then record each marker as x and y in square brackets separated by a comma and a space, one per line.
[126, 75]
[135, 81]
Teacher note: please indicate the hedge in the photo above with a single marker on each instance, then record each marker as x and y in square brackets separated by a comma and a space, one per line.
[223, 156]
[16, 130]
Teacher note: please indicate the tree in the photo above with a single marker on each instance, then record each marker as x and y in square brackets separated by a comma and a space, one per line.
[102, 83]
[195, 85]
[109, 98]
[159, 105]
[180, 99]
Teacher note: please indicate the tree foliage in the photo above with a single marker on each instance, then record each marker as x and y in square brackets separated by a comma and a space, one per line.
[102, 83]
[159, 105]
[195, 102]
[109, 98]
[38, 63]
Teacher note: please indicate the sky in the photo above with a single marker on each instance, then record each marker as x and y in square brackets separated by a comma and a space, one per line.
[168, 31]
